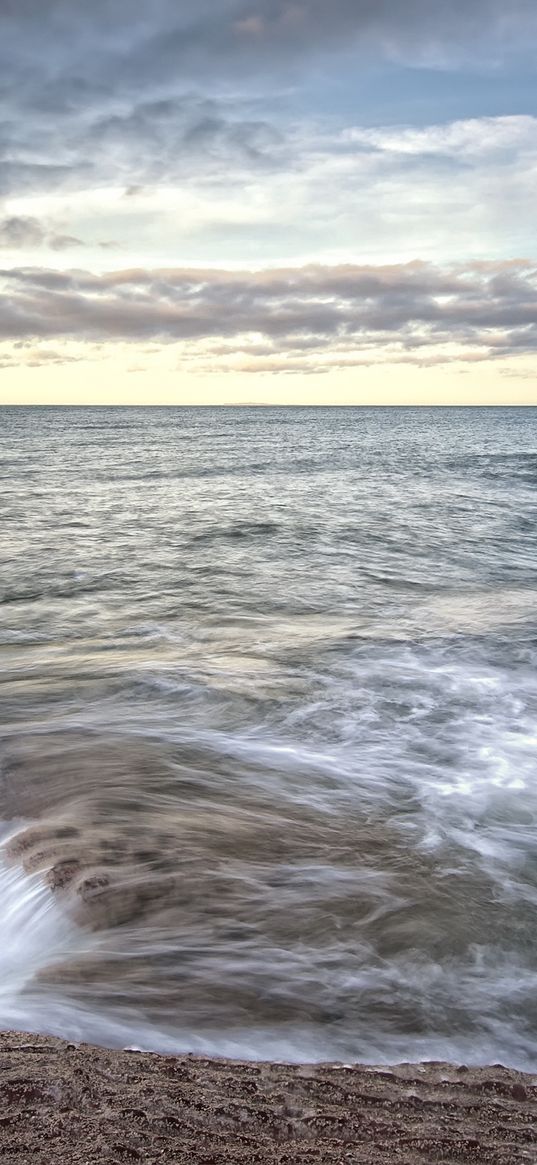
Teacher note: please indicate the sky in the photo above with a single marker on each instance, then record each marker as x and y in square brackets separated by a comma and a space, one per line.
[257, 201]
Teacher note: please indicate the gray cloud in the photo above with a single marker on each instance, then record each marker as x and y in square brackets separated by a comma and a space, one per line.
[18, 231]
[185, 136]
[58, 242]
[490, 308]
[108, 87]
[25, 232]
[83, 40]
[157, 138]
[18, 177]
[268, 33]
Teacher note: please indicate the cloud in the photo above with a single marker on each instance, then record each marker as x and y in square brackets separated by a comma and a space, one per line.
[18, 231]
[465, 139]
[18, 176]
[25, 232]
[28, 356]
[76, 78]
[246, 30]
[63, 242]
[187, 137]
[313, 316]
[456, 189]
[90, 47]
[152, 140]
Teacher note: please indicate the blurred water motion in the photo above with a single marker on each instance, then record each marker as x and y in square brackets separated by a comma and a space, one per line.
[268, 738]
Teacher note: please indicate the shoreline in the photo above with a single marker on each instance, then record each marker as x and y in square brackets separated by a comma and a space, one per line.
[76, 1103]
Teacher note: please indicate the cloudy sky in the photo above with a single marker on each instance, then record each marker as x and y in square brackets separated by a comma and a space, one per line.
[273, 200]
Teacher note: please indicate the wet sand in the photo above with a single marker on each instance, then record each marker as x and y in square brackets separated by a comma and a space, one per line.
[79, 1105]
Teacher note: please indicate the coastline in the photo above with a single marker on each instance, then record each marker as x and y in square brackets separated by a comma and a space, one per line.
[75, 1103]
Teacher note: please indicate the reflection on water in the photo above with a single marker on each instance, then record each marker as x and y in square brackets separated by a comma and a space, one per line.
[268, 730]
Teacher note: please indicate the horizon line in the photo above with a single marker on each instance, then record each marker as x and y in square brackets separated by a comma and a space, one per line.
[255, 405]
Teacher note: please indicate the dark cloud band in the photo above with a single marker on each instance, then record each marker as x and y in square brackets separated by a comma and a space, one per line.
[313, 310]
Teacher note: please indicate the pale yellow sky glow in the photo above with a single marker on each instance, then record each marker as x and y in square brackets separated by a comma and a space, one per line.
[110, 383]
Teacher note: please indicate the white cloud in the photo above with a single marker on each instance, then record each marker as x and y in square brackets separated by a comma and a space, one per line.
[456, 190]
[472, 138]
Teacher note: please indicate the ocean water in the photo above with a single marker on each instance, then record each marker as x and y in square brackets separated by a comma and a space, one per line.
[268, 742]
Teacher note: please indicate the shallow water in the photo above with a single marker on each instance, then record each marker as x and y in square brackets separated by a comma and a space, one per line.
[268, 706]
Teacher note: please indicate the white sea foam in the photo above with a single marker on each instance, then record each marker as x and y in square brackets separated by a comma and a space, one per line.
[34, 932]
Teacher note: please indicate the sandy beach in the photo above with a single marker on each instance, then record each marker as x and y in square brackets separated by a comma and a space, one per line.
[80, 1105]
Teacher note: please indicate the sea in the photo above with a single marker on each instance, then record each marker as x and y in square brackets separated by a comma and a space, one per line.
[268, 740]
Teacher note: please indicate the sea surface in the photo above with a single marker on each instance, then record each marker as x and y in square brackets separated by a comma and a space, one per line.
[268, 741]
